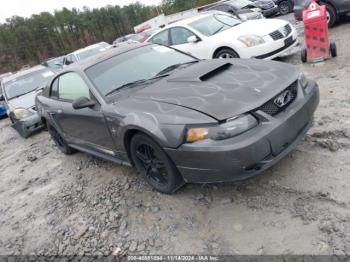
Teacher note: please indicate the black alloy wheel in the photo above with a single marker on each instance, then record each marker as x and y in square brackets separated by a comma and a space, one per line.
[155, 166]
[59, 141]
[285, 7]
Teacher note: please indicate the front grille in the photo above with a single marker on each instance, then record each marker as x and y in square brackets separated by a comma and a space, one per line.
[271, 107]
[287, 30]
[276, 35]
[281, 33]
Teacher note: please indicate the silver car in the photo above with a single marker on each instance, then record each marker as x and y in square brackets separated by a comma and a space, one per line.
[18, 93]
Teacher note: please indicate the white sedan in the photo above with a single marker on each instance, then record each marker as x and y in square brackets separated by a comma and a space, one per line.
[218, 35]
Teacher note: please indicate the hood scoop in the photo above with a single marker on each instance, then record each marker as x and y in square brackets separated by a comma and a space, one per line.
[200, 72]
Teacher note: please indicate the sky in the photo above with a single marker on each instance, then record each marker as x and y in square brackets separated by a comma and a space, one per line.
[26, 8]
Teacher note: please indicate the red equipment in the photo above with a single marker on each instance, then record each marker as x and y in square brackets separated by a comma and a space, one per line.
[317, 42]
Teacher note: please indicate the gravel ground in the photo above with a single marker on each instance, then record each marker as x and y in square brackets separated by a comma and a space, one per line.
[52, 204]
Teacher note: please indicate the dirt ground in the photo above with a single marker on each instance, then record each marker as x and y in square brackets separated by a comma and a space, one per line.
[55, 204]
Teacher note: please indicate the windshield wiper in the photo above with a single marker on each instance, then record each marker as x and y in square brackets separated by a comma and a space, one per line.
[173, 67]
[134, 83]
[24, 93]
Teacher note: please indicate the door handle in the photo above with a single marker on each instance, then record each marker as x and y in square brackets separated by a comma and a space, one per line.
[58, 111]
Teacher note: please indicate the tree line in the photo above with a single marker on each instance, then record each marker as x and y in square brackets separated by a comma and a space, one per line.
[29, 41]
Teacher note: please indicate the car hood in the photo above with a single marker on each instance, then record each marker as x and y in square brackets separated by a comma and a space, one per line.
[222, 88]
[25, 101]
[259, 27]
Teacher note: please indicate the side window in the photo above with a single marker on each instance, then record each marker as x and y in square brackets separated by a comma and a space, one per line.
[161, 38]
[54, 89]
[73, 59]
[72, 86]
[179, 35]
[68, 60]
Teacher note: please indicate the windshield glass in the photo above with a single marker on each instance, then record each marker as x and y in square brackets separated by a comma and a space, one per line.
[238, 4]
[92, 51]
[27, 83]
[214, 24]
[138, 64]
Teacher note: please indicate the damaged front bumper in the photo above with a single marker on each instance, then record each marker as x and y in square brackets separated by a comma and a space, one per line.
[252, 152]
[29, 125]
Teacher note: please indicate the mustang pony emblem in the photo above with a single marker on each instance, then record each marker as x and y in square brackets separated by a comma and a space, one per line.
[283, 98]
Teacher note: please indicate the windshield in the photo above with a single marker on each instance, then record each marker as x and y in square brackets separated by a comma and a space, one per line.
[138, 64]
[92, 51]
[238, 4]
[27, 83]
[214, 24]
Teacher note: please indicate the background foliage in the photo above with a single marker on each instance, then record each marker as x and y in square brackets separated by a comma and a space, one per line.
[29, 41]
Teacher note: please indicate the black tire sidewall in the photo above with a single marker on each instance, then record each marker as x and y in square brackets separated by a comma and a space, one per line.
[289, 4]
[175, 180]
[303, 55]
[226, 50]
[333, 49]
[333, 15]
[64, 148]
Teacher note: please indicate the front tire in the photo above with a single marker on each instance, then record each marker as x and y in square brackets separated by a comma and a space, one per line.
[59, 141]
[154, 165]
[226, 53]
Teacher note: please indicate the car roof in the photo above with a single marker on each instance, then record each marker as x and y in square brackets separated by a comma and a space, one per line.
[24, 72]
[95, 59]
[191, 19]
[88, 48]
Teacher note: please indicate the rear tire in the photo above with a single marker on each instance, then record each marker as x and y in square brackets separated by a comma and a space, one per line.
[303, 55]
[285, 7]
[333, 49]
[331, 15]
[59, 141]
[154, 165]
[226, 53]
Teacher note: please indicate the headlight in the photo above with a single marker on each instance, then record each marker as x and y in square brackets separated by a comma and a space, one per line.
[251, 40]
[21, 113]
[230, 128]
[302, 80]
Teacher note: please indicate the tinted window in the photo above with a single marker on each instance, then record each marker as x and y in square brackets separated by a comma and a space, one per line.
[213, 24]
[179, 35]
[72, 86]
[27, 83]
[161, 38]
[138, 64]
[54, 89]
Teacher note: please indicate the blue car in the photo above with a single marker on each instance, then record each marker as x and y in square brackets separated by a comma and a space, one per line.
[2, 111]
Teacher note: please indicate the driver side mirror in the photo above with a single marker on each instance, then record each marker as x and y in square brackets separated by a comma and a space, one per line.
[193, 39]
[83, 102]
[2, 98]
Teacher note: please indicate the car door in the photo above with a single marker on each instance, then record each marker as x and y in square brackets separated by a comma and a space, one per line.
[178, 40]
[85, 127]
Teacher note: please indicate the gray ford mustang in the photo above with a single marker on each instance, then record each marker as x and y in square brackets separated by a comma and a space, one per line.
[178, 119]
